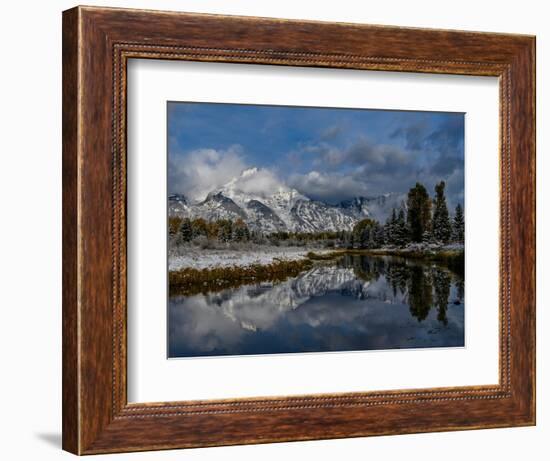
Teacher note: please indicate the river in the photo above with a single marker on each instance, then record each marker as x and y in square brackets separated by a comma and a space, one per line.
[356, 303]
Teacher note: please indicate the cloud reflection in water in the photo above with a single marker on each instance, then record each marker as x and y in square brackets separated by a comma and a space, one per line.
[359, 304]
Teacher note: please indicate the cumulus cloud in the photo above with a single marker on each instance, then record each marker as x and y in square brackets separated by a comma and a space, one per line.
[328, 187]
[203, 170]
[258, 181]
[422, 153]
[362, 168]
[441, 150]
[377, 157]
[323, 153]
[332, 171]
[365, 153]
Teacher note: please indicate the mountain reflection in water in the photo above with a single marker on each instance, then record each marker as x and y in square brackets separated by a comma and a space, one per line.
[358, 303]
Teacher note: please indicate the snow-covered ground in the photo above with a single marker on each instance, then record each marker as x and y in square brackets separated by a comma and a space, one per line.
[197, 258]
[426, 247]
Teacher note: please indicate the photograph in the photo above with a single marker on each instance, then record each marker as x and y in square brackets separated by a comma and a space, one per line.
[275, 230]
[313, 229]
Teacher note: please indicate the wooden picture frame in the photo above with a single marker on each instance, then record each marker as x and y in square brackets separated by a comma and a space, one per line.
[97, 43]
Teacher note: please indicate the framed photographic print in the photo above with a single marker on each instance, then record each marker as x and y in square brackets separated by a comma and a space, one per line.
[289, 253]
[284, 230]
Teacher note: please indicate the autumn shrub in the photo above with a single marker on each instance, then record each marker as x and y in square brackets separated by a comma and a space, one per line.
[190, 281]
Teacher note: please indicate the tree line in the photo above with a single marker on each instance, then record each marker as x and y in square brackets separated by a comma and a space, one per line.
[424, 220]
[223, 230]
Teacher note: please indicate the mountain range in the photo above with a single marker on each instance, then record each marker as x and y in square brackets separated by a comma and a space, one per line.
[281, 208]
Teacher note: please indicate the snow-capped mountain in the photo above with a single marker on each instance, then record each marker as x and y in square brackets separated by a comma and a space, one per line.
[268, 205]
[177, 205]
[262, 187]
[314, 216]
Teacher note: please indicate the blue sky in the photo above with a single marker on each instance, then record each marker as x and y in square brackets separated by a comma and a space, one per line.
[327, 154]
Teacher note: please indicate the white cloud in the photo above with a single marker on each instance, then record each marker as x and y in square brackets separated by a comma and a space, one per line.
[378, 170]
[258, 181]
[328, 186]
[204, 170]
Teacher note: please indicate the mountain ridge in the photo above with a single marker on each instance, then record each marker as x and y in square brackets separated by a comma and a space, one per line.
[281, 208]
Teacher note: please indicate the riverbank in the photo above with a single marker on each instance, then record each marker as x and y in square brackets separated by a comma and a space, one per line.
[189, 281]
[196, 258]
[450, 255]
[440, 254]
[215, 270]
[426, 252]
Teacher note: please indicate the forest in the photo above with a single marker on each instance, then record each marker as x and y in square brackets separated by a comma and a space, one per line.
[421, 219]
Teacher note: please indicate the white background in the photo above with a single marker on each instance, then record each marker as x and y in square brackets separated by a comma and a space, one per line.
[152, 378]
[30, 239]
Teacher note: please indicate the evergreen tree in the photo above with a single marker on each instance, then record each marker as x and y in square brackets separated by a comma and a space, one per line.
[186, 231]
[401, 232]
[419, 212]
[240, 231]
[225, 230]
[441, 225]
[371, 243]
[366, 233]
[364, 238]
[379, 235]
[458, 225]
[427, 236]
[351, 241]
[389, 228]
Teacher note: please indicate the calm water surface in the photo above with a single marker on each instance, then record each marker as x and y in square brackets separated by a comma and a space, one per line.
[358, 303]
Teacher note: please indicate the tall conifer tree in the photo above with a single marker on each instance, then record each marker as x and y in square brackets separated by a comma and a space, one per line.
[419, 212]
[401, 229]
[389, 228]
[458, 225]
[441, 224]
